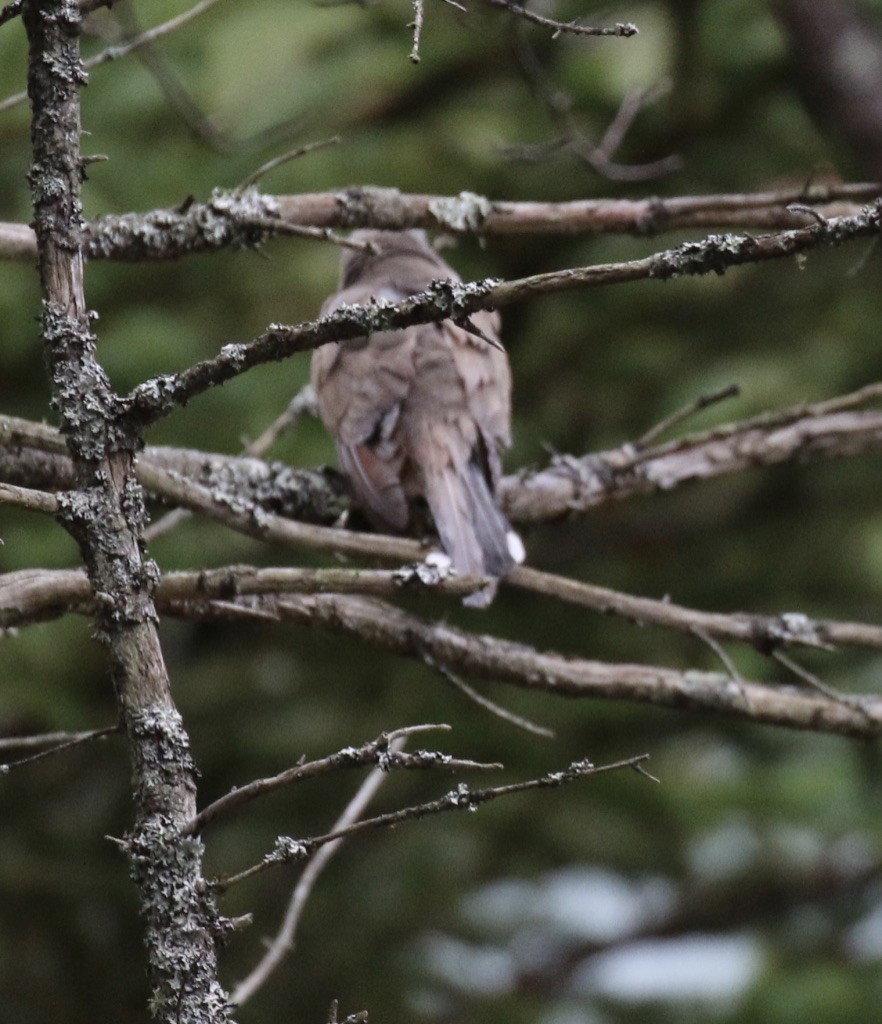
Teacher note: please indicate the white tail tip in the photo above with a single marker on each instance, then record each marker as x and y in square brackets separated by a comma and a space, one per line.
[515, 547]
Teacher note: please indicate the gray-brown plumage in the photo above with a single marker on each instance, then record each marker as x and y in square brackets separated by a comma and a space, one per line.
[420, 412]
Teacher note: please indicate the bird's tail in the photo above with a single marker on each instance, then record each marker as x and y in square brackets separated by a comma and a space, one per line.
[473, 530]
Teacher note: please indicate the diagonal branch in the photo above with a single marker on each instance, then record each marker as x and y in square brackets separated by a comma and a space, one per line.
[377, 752]
[283, 943]
[30, 596]
[444, 300]
[288, 851]
[490, 658]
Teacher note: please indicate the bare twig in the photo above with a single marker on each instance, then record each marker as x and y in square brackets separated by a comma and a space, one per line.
[484, 702]
[278, 161]
[815, 683]
[289, 850]
[60, 744]
[720, 652]
[302, 404]
[376, 752]
[283, 942]
[180, 99]
[124, 49]
[685, 413]
[623, 30]
[561, 110]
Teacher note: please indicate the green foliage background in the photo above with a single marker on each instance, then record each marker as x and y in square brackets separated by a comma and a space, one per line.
[767, 821]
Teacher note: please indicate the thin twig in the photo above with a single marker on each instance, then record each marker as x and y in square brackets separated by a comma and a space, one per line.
[720, 652]
[375, 752]
[275, 226]
[302, 404]
[278, 161]
[813, 681]
[74, 740]
[623, 30]
[283, 943]
[484, 702]
[289, 850]
[686, 412]
[124, 49]
[809, 211]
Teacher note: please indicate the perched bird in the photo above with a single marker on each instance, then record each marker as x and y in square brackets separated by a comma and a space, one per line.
[421, 412]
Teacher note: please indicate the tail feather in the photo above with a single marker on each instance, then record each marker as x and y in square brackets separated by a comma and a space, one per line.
[472, 529]
[376, 484]
[490, 525]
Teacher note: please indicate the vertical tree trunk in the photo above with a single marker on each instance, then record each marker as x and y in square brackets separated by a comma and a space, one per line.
[105, 514]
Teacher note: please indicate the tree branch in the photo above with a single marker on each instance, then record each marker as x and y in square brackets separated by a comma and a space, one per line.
[376, 752]
[243, 219]
[485, 657]
[623, 30]
[444, 300]
[31, 454]
[283, 942]
[31, 596]
[288, 851]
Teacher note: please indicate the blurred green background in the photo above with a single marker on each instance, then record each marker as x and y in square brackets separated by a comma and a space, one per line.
[746, 887]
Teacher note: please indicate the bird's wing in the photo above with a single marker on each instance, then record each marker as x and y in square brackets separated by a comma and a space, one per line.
[360, 388]
[486, 380]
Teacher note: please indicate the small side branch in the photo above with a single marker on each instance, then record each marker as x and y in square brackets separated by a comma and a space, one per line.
[622, 30]
[25, 497]
[58, 742]
[288, 851]
[379, 752]
[283, 942]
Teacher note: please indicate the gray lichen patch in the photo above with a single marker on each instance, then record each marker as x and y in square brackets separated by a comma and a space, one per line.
[464, 212]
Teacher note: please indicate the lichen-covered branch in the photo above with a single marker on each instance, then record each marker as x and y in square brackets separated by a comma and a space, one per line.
[32, 455]
[379, 752]
[244, 218]
[456, 301]
[32, 596]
